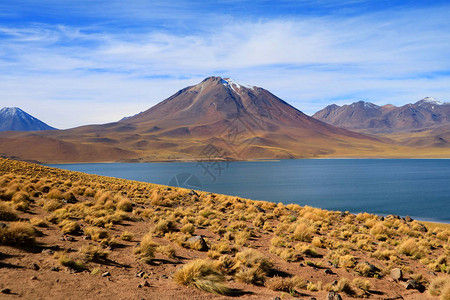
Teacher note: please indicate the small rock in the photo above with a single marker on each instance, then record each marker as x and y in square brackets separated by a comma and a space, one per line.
[328, 271]
[168, 189]
[313, 298]
[145, 283]
[33, 278]
[3, 225]
[261, 210]
[34, 266]
[276, 298]
[57, 280]
[199, 239]
[47, 251]
[139, 285]
[106, 274]
[334, 282]
[381, 218]
[414, 285]
[6, 291]
[55, 269]
[408, 219]
[164, 276]
[397, 274]
[140, 274]
[333, 296]
[432, 273]
[86, 237]
[193, 193]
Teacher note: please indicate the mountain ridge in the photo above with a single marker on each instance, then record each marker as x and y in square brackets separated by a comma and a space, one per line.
[217, 119]
[15, 119]
[425, 113]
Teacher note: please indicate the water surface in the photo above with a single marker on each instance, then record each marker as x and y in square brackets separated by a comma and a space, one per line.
[419, 188]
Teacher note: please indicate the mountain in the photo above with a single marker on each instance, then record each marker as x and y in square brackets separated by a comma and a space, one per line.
[424, 114]
[217, 119]
[15, 119]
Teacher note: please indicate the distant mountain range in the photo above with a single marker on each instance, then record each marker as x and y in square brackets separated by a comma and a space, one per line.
[425, 123]
[15, 119]
[426, 113]
[217, 119]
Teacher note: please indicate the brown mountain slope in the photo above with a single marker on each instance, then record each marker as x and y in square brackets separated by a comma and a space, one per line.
[425, 123]
[426, 113]
[215, 119]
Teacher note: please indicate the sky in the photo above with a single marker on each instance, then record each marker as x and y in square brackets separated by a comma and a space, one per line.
[76, 62]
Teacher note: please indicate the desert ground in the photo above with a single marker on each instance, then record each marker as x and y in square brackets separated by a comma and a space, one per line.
[69, 235]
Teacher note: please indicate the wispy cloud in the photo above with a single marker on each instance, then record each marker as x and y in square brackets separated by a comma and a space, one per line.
[57, 71]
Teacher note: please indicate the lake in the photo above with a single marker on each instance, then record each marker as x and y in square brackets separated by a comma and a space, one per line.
[419, 188]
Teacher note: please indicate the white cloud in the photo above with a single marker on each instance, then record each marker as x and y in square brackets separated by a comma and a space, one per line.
[58, 72]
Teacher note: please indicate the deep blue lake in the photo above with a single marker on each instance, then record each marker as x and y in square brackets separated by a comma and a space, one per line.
[419, 188]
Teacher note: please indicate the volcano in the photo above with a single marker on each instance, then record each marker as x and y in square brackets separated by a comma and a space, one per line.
[217, 119]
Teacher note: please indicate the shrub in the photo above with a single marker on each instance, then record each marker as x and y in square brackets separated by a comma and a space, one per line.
[188, 228]
[163, 227]
[21, 201]
[343, 285]
[410, 248]
[166, 250]
[93, 253]
[95, 233]
[252, 258]
[146, 249]
[125, 205]
[253, 267]
[55, 194]
[66, 261]
[303, 232]
[362, 284]
[226, 264]
[127, 236]
[202, 274]
[7, 213]
[52, 205]
[38, 222]
[347, 261]
[68, 226]
[17, 234]
[280, 284]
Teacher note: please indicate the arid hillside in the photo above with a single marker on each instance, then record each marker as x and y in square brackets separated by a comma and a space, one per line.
[215, 119]
[71, 235]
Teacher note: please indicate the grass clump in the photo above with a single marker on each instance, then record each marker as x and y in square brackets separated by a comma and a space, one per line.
[163, 227]
[410, 248]
[69, 262]
[188, 228]
[146, 249]
[440, 286]
[17, 234]
[7, 213]
[95, 233]
[127, 236]
[202, 274]
[285, 284]
[93, 253]
[253, 267]
[68, 226]
[125, 205]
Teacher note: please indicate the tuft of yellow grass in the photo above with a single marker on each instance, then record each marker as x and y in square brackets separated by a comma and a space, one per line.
[17, 234]
[202, 274]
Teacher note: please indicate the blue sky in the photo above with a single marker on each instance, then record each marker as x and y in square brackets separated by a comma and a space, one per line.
[78, 62]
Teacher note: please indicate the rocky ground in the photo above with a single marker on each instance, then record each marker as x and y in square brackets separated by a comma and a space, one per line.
[68, 235]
